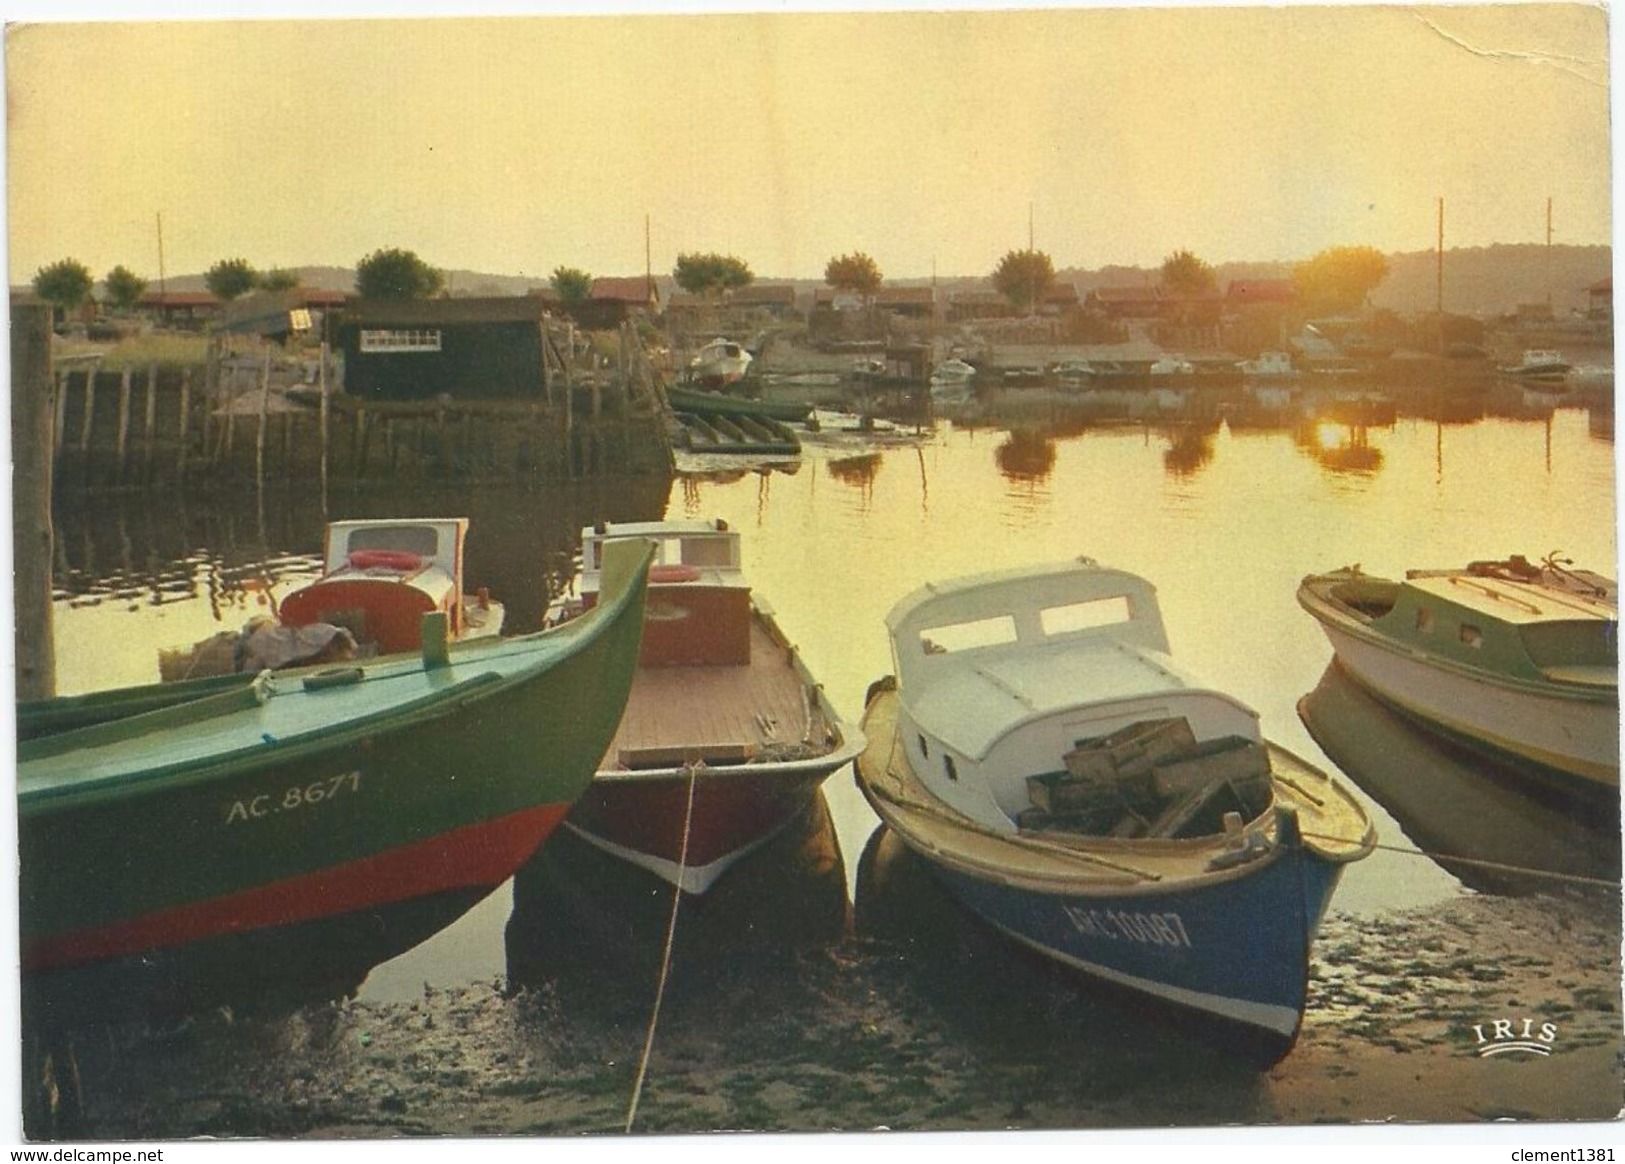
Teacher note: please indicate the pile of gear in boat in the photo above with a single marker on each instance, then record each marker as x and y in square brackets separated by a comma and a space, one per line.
[1151, 779]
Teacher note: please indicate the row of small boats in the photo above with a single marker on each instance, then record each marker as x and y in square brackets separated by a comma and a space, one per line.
[1036, 745]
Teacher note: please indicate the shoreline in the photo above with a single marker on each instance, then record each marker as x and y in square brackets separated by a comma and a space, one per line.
[870, 1033]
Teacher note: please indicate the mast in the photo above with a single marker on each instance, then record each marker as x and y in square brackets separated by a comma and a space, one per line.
[1548, 252]
[160, 253]
[1438, 276]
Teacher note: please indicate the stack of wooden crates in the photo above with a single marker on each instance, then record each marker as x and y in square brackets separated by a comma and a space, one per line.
[1151, 779]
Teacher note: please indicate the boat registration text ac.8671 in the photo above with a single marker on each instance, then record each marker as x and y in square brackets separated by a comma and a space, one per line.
[1152, 929]
[294, 797]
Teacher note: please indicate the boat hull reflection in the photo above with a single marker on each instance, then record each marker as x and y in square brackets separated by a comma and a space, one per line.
[584, 919]
[1509, 836]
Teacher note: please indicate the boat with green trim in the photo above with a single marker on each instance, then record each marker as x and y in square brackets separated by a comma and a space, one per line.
[318, 793]
[702, 403]
[1511, 658]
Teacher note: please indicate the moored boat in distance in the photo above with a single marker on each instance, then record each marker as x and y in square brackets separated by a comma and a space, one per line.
[380, 576]
[1074, 788]
[722, 704]
[720, 362]
[317, 794]
[1506, 656]
[1538, 364]
[1270, 365]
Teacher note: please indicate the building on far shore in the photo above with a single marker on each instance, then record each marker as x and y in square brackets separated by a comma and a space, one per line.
[459, 348]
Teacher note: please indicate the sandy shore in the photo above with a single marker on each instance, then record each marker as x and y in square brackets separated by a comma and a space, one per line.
[898, 1034]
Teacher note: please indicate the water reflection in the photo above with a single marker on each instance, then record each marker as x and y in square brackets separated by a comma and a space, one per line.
[1006, 1001]
[1504, 831]
[592, 929]
[1026, 454]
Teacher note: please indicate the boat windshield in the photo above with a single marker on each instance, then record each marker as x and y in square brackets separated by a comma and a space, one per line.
[413, 539]
[1580, 643]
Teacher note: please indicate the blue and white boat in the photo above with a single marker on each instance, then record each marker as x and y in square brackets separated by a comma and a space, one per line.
[1072, 786]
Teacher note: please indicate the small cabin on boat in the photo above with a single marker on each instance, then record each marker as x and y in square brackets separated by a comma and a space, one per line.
[699, 607]
[380, 577]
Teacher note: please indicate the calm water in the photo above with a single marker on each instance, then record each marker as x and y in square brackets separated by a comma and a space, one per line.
[1225, 522]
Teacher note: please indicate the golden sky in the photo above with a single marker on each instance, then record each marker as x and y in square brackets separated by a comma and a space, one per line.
[928, 139]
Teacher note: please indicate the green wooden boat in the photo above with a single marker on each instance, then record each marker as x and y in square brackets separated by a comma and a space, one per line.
[706, 403]
[296, 796]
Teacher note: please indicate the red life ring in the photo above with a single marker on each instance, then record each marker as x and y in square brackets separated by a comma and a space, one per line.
[404, 561]
[667, 574]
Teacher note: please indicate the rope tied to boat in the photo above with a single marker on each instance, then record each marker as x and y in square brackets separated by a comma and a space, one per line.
[692, 769]
[1478, 862]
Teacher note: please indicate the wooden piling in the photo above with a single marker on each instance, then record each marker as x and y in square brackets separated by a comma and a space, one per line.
[265, 408]
[89, 411]
[123, 423]
[186, 421]
[321, 380]
[151, 418]
[60, 380]
[33, 441]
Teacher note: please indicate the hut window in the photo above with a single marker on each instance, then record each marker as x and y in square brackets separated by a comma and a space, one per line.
[1472, 636]
[1424, 620]
[948, 766]
[400, 339]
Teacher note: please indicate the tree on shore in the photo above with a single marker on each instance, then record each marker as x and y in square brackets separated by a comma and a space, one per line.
[1023, 277]
[393, 273]
[1339, 279]
[65, 283]
[1185, 274]
[572, 285]
[230, 278]
[279, 279]
[711, 274]
[124, 287]
[857, 273]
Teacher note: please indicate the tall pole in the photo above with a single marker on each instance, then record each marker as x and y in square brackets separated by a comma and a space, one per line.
[33, 419]
[1439, 273]
[1548, 253]
[161, 253]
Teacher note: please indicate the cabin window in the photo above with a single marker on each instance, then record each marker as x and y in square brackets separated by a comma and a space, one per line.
[1472, 636]
[1424, 620]
[924, 751]
[411, 339]
[948, 767]
[964, 636]
[413, 539]
[1060, 620]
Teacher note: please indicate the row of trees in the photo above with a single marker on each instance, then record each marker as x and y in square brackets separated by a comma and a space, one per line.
[1336, 280]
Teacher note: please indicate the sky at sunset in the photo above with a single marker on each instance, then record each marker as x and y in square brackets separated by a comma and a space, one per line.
[929, 139]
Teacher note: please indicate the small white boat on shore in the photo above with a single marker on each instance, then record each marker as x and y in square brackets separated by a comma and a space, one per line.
[719, 362]
[1539, 364]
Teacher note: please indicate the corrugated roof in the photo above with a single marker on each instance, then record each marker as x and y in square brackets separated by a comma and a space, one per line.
[638, 289]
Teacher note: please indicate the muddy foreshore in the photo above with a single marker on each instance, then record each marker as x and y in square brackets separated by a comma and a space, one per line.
[870, 1034]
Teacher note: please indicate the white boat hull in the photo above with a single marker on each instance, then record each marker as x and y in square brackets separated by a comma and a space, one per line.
[1570, 735]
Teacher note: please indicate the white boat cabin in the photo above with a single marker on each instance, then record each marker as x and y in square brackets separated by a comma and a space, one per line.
[699, 607]
[1002, 675]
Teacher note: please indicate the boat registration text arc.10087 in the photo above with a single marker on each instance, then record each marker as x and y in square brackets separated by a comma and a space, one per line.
[294, 797]
[1151, 929]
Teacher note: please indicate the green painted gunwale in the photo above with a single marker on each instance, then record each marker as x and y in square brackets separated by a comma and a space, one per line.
[130, 817]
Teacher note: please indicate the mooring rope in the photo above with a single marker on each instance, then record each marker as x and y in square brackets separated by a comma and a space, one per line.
[665, 958]
[1500, 866]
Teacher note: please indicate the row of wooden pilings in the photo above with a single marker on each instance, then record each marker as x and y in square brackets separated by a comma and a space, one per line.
[133, 430]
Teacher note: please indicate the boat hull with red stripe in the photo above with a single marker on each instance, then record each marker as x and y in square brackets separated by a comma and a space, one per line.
[318, 793]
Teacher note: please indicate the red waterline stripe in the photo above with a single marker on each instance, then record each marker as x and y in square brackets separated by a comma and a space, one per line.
[471, 856]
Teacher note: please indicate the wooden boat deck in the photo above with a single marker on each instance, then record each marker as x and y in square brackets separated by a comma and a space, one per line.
[725, 714]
